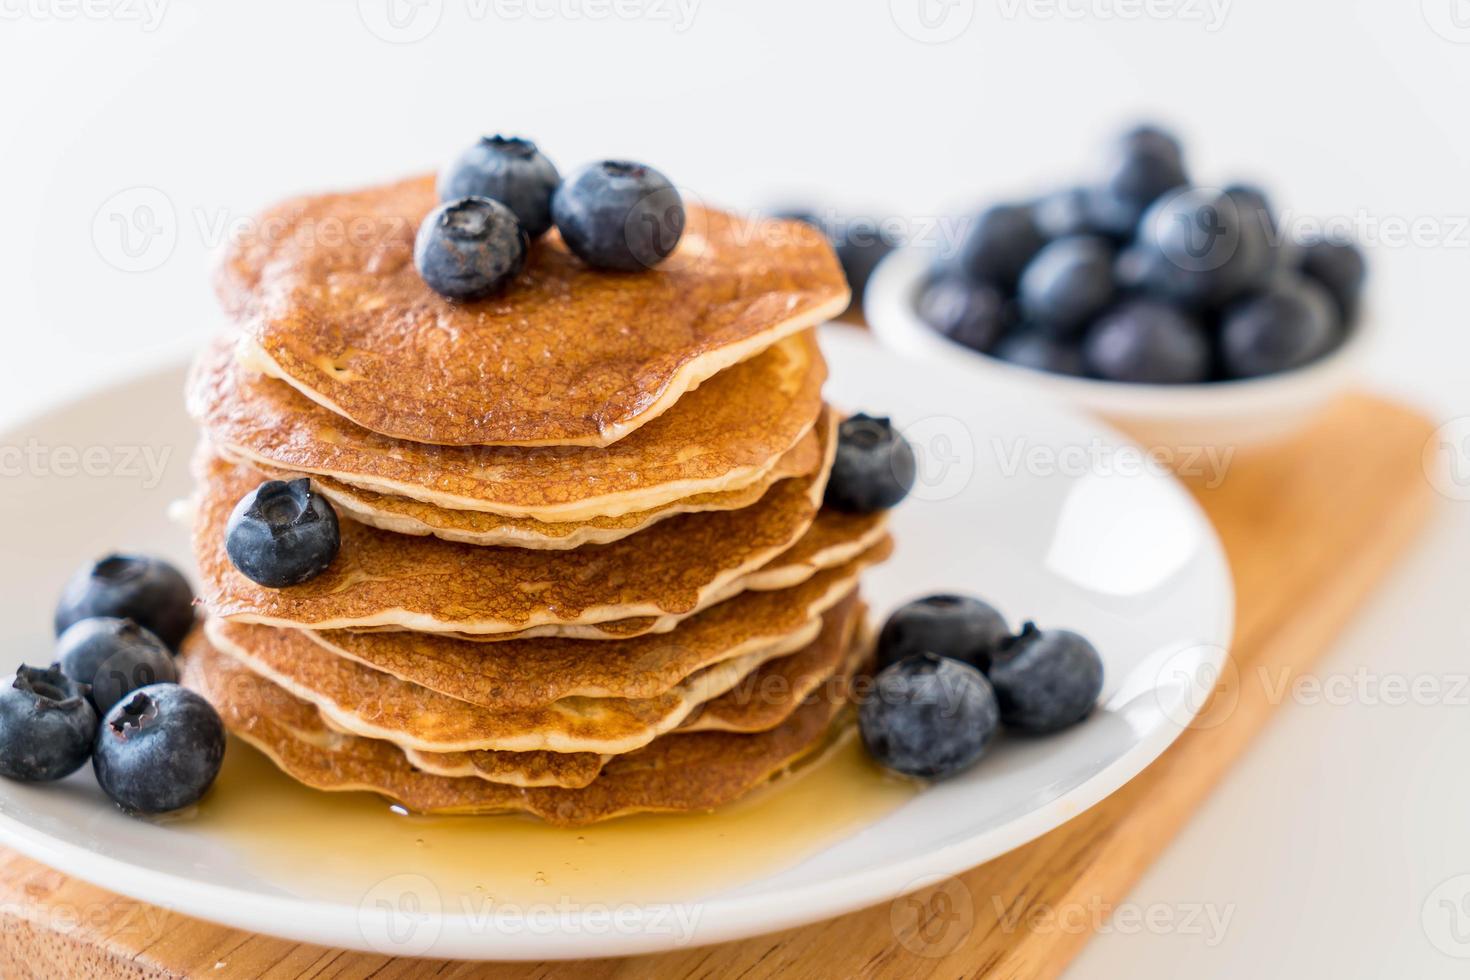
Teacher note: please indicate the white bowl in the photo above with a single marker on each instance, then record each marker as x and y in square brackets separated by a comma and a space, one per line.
[1178, 418]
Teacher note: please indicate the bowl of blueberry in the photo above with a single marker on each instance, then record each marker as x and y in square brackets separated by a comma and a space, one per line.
[1183, 313]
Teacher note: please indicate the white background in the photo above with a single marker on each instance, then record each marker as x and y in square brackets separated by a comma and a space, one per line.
[1324, 849]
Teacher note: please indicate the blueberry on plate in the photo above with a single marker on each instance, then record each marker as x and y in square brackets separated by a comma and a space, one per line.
[1148, 342]
[874, 468]
[1000, 242]
[149, 591]
[1289, 324]
[510, 170]
[969, 313]
[46, 726]
[1338, 265]
[470, 248]
[958, 627]
[1067, 284]
[1045, 680]
[1035, 350]
[282, 533]
[619, 215]
[929, 717]
[113, 657]
[158, 749]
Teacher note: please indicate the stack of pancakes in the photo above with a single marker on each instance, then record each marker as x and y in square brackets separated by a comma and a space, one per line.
[585, 569]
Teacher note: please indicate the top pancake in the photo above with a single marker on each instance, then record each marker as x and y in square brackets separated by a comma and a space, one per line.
[726, 435]
[567, 356]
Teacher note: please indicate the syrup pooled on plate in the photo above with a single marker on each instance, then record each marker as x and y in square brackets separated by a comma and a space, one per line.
[336, 844]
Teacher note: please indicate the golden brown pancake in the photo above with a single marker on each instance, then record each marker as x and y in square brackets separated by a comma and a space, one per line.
[566, 356]
[527, 673]
[678, 773]
[363, 701]
[764, 699]
[832, 539]
[571, 770]
[769, 694]
[383, 579]
[404, 515]
[725, 435]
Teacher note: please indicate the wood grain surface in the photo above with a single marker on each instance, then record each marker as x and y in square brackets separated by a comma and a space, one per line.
[1309, 527]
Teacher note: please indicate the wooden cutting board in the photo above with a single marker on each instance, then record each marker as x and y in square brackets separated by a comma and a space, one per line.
[1309, 527]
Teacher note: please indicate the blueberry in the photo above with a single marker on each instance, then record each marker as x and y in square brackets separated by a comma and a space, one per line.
[1033, 349]
[959, 627]
[1045, 680]
[861, 243]
[149, 591]
[966, 312]
[46, 726]
[282, 534]
[1142, 168]
[929, 716]
[1153, 140]
[1338, 265]
[1000, 242]
[1067, 284]
[619, 215]
[158, 749]
[113, 657]
[1285, 326]
[1145, 341]
[874, 468]
[1064, 213]
[470, 248]
[806, 215]
[509, 170]
[1201, 248]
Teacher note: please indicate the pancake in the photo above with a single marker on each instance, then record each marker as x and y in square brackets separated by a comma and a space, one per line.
[676, 773]
[726, 434]
[526, 673]
[404, 515]
[820, 548]
[366, 702]
[513, 768]
[764, 699]
[567, 356]
[768, 695]
[379, 578]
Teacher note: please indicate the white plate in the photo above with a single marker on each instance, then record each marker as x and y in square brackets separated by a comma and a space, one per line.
[1041, 511]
